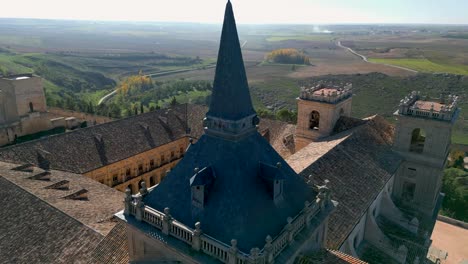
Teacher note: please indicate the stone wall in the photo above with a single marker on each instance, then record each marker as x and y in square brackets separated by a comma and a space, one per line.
[91, 119]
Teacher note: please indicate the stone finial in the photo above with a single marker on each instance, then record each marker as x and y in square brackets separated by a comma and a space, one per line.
[268, 250]
[127, 201]
[233, 243]
[128, 193]
[167, 211]
[140, 207]
[191, 141]
[197, 225]
[196, 170]
[278, 165]
[143, 189]
[254, 252]
[196, 241]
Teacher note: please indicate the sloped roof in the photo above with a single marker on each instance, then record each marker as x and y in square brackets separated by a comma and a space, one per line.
[87, 149]
[95, 211]
[113, 248]
[238, 198]
[326, 256]
[231, 97]
[33, 231]
[358, 163]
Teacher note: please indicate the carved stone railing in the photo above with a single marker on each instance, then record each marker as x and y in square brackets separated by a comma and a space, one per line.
[447, 111]
[339, 93]
[210, 246]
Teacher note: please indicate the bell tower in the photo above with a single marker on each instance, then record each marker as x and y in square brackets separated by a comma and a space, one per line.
[423, 138]
[319, 108]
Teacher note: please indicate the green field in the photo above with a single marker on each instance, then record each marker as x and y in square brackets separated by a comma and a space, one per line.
[315, 37]
[424, 65]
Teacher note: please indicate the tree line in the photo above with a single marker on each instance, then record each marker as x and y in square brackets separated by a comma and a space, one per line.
[288, 56]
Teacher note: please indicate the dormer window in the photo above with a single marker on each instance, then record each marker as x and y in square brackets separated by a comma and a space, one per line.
[273, 179]
[200, 184]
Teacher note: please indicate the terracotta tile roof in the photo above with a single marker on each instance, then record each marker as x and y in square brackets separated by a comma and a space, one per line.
[358, 163]
[329, 257]
[113, 248]
[427, 105]
[95, 211]
[90, 148]
[33, 231]
[325, 91]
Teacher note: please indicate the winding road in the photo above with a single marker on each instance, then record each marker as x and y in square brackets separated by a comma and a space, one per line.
[364, 58]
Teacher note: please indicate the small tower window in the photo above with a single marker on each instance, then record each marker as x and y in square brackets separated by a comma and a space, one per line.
[408, 191]
[314, 120]
[198, 196]
[418, 139]
[31, 107]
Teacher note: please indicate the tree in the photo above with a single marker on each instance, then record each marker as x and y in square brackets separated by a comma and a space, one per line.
[173, 101]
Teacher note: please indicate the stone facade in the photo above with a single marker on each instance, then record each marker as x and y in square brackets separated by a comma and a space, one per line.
[149, 166]
[23, 108]
[319, 108]
[423, 138]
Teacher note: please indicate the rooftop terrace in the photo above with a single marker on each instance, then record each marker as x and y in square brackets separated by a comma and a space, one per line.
[327, 92]
[444, 108]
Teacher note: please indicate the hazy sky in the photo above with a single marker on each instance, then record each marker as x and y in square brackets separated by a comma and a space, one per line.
[247, 11]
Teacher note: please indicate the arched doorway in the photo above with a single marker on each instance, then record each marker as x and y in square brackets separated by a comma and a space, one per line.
[314, 120]
[418, 139]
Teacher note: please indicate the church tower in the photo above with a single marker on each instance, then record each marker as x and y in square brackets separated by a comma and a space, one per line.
[423, 138]
[319, 108]
[232, 198]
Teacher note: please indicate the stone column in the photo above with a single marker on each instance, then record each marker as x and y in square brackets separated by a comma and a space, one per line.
[128, 201]
[269, 259]
[196, 241]
[232, 254]
[140, 208]
[166, 221]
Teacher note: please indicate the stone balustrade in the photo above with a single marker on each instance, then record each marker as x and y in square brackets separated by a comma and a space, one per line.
[447, 111]
[329, 93]
[225, 253]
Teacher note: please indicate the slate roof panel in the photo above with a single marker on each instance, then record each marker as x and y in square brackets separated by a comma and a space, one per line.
[238, 198]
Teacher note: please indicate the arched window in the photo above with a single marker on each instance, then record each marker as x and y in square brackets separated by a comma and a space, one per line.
[341, 112]
[314, 120]
[31, 107]
[418, 138]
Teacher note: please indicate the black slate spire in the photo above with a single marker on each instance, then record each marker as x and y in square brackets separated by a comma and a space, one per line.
[230, 98]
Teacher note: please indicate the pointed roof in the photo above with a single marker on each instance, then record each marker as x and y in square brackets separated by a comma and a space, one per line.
[230, 98]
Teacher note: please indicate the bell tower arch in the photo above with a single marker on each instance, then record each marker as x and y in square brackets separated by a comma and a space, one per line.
[319, 108]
